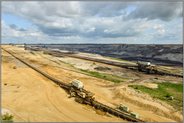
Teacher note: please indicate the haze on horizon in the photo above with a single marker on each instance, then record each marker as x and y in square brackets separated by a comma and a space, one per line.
[92, 22]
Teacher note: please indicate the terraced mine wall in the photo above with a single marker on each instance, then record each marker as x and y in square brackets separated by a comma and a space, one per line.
[118, 64]
[168, 54]
[147, 70]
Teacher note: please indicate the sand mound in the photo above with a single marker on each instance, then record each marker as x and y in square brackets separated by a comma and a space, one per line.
[151, 85]
[146, 103]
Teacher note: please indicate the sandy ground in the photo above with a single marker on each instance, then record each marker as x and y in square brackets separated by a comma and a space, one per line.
[105, 91]
[31, 97]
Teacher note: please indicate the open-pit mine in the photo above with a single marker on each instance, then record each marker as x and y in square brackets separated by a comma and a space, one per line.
[48, 84]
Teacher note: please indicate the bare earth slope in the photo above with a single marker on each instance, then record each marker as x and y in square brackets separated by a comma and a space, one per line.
[166, 53]
[35, 97]
[31, 97]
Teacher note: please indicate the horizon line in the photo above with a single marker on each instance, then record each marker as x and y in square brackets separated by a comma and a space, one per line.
[86, 43]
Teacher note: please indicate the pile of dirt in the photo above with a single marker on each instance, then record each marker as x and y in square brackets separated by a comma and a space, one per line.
[150, 85]
[145, 102]
[102, 68]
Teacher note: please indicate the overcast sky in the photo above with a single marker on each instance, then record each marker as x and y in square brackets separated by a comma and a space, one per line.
[92, 22]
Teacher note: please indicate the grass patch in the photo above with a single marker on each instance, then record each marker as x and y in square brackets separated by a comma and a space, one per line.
[6, 118]
[164, 92]
[109, 77]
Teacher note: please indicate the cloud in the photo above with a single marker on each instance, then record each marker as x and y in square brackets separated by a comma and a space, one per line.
[104, 9]
[159, 28]
[14, 27]
[14, 31]
[89, 20]
[165, 11]
[97, 27]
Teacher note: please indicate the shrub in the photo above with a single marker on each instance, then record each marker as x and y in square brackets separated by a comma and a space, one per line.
[6, 118]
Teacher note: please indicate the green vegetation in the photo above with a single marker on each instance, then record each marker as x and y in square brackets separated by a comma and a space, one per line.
[110, 77]
[168, 92]
[6, 118]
